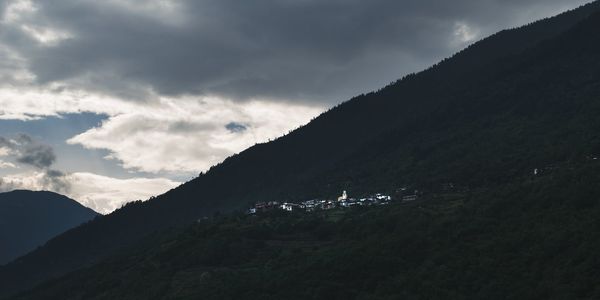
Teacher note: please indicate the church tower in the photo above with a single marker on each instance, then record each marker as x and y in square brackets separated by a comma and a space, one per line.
[343, 197]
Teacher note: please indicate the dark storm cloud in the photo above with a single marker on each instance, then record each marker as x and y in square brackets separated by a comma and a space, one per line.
[282, 49]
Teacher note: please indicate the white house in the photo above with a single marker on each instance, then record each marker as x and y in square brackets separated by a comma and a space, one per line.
[291, 206]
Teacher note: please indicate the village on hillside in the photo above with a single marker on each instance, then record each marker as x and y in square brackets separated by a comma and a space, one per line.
[343, 201]
[403, 195]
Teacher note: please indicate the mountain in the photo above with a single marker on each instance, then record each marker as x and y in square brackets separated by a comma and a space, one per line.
[29, 219]
[535, 238]
[483, 120]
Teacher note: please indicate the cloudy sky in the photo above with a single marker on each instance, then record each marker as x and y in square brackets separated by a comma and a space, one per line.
[117, 100]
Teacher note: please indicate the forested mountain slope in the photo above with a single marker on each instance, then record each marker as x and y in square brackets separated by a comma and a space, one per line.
[534, 238]
[521, 99]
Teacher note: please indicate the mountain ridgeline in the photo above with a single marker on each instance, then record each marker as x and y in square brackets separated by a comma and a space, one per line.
[29, 219]
[520, 100]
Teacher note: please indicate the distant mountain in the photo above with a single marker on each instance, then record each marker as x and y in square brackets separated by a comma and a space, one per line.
[29, 219]
[520, 100]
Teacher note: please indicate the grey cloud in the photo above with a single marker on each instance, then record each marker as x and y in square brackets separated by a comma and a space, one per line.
[55, 173]
[56, 181]
[34, 154]
[6, 186]
[188, 127]
[23, 139]
[29, 152]
[51, 180]
[39, 156]
[5, 143]
[26, 151]
[308, 50]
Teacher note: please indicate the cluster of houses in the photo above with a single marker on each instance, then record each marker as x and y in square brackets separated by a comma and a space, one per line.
[342, 201]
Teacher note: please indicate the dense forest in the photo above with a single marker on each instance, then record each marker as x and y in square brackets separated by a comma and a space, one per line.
[534, 238]
[483, 120]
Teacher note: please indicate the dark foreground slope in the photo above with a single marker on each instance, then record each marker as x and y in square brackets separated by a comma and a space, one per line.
[29, 219]
[535, 238]
[519, 100]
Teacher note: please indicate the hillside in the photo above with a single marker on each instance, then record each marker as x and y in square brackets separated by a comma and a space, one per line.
[535, 238]
[519, 100]
[29, 219]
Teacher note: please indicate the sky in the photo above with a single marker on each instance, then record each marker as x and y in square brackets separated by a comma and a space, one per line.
[118, 100]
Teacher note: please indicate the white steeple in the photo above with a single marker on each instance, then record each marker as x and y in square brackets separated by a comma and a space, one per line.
[343, 197]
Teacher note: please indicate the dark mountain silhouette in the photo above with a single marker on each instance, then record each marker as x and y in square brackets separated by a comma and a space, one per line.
[521, 99]
[534, 238]
[29, 219]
